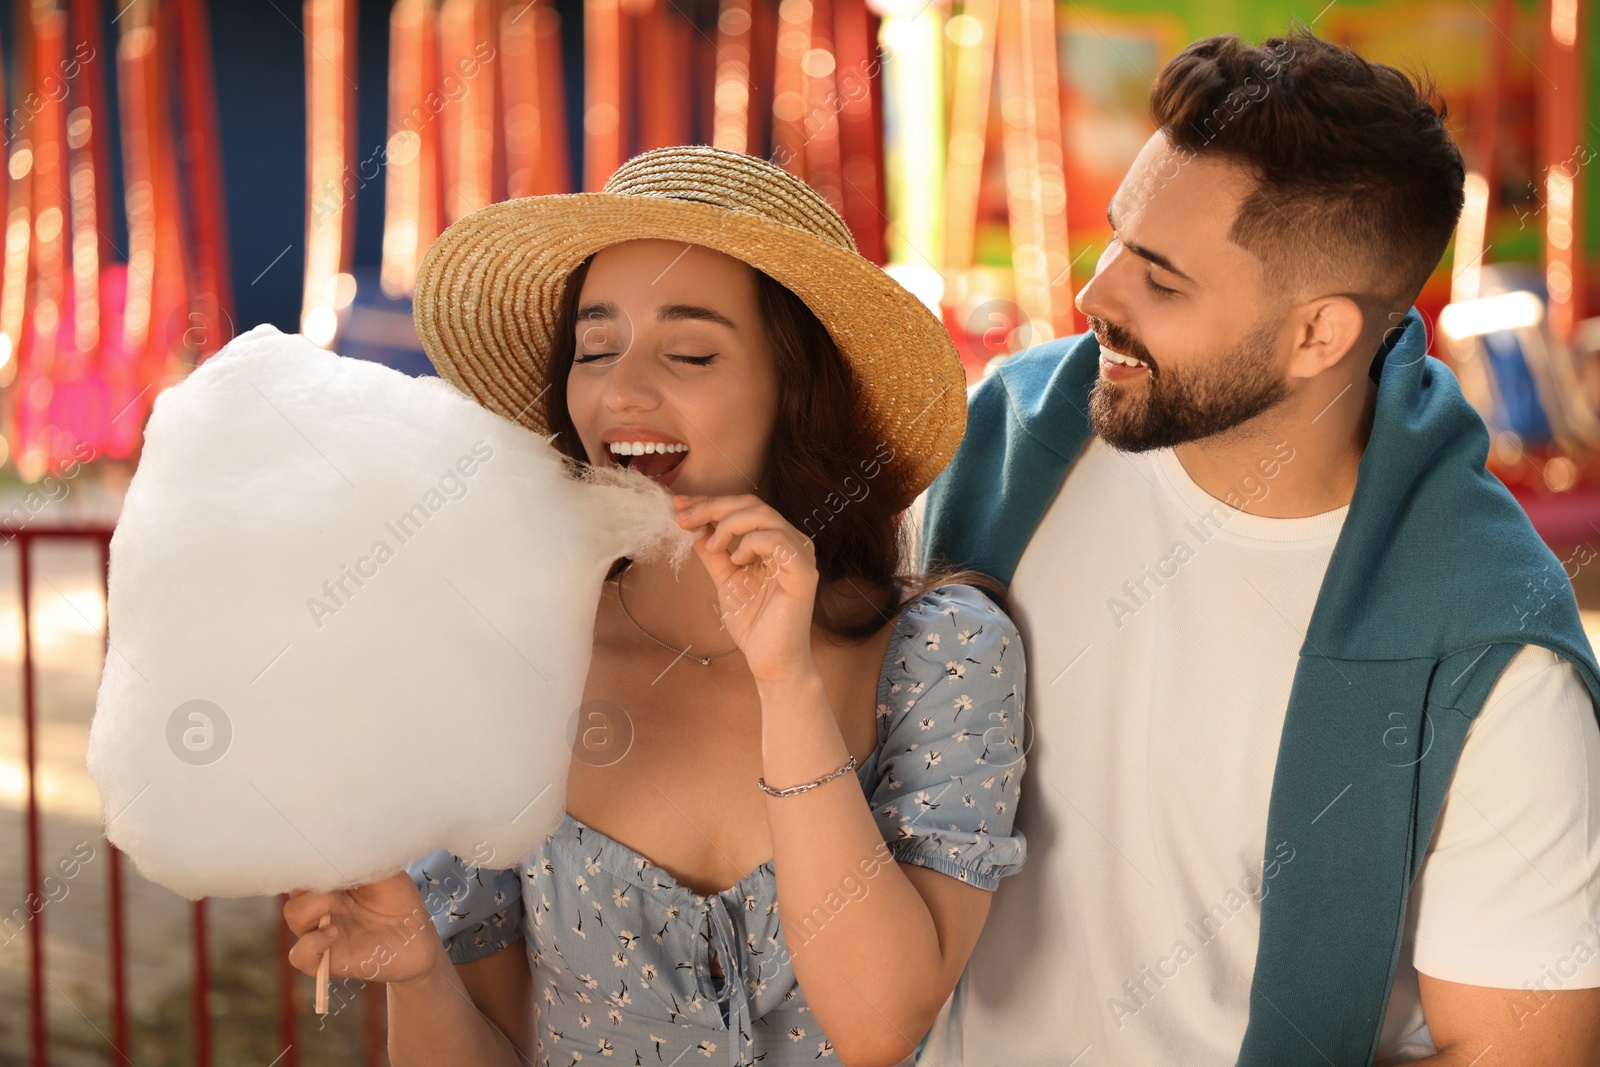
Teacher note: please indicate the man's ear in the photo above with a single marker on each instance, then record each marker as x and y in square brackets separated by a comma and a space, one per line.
[1324, 331]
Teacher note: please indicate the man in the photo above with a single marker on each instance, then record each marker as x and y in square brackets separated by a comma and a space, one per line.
[1314, 773]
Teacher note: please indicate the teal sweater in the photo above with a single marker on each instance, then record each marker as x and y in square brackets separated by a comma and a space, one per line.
[1436, 581]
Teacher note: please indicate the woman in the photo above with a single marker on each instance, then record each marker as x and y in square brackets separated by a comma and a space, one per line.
[707, 321]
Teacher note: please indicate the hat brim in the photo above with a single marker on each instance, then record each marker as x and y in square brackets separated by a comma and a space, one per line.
[489, 290]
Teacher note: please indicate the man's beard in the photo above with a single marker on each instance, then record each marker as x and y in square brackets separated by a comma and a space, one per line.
[1178, 407]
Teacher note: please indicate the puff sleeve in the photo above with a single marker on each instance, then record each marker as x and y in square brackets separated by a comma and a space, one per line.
[952, 757]
[477, 911]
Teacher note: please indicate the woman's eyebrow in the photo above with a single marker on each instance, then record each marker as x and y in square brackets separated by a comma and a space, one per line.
[605, 309]
[694, 311]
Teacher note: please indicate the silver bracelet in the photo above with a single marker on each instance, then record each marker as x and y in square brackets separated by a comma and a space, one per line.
[793, 789]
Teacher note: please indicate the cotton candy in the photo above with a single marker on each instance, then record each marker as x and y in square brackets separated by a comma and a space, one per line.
[350, 618]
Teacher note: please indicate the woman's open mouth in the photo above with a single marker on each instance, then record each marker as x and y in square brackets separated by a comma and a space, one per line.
[656, 460]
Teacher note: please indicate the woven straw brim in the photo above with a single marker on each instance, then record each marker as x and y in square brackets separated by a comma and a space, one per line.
[490, 287]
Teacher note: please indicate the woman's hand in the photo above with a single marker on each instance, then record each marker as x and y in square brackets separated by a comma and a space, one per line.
[766, 583]
[380, 932]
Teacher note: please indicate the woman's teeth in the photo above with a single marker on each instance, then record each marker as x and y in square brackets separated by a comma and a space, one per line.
[654, 459]
[643, 448]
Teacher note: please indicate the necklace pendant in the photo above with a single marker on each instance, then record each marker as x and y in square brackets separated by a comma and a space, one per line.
[704, 661]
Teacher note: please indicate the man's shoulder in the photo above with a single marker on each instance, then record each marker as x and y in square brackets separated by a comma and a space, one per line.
[1042, 392]
[1510, 869]
[1029, 373]
[1540, 675]
[1025, 424]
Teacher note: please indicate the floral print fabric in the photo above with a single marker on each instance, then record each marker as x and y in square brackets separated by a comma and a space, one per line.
[620, 952]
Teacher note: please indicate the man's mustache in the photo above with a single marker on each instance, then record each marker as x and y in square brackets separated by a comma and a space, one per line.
[1113, 336]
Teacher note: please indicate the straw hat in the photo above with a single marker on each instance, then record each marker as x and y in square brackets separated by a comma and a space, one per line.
[490, 287]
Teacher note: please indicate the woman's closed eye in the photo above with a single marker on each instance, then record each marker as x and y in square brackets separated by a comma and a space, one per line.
[591, 357]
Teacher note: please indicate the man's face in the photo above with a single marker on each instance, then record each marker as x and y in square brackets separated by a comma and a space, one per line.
[1189, 346]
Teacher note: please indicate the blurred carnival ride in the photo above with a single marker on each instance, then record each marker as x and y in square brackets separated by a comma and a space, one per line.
[1516, 329]
[948, 133]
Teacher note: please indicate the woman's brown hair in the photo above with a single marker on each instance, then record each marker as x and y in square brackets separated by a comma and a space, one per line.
[825, 473]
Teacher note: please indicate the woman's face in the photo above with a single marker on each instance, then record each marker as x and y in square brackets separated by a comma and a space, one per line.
[670, 353]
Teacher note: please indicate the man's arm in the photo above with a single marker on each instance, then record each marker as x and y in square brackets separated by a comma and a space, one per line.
[1483, 1027]
[1508, 965]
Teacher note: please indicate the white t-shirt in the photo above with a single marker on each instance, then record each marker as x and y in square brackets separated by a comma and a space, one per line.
[1162, 629]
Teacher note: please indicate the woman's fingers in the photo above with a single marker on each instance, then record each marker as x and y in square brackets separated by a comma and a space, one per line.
[743, 522]
[741, 530]
[717, 564]
[747, 520]
[734, 520]
[381, 930]
[775, 548]
[305, 909]
[305, 955]
[716, 508]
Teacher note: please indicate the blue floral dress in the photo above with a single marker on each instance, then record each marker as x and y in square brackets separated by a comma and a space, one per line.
[621, 953]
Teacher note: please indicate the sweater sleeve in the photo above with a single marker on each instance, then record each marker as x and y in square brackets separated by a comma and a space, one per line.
[477, 911]
[950, 770]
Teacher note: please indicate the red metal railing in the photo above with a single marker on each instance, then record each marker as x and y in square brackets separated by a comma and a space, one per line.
[372, 1030]
[36, 1017]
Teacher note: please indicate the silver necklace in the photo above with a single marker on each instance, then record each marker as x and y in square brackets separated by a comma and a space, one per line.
[704, 661]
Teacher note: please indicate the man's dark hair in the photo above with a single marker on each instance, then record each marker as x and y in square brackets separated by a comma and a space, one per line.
[1358, 183]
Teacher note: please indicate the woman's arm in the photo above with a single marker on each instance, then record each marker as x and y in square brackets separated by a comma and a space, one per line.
[502, 988]
[472, 1013]
[876, 965]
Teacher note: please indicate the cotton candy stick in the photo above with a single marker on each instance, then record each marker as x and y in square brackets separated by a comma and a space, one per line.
[323, 967]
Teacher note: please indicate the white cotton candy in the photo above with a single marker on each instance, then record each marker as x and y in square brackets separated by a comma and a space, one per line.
[381, 594]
